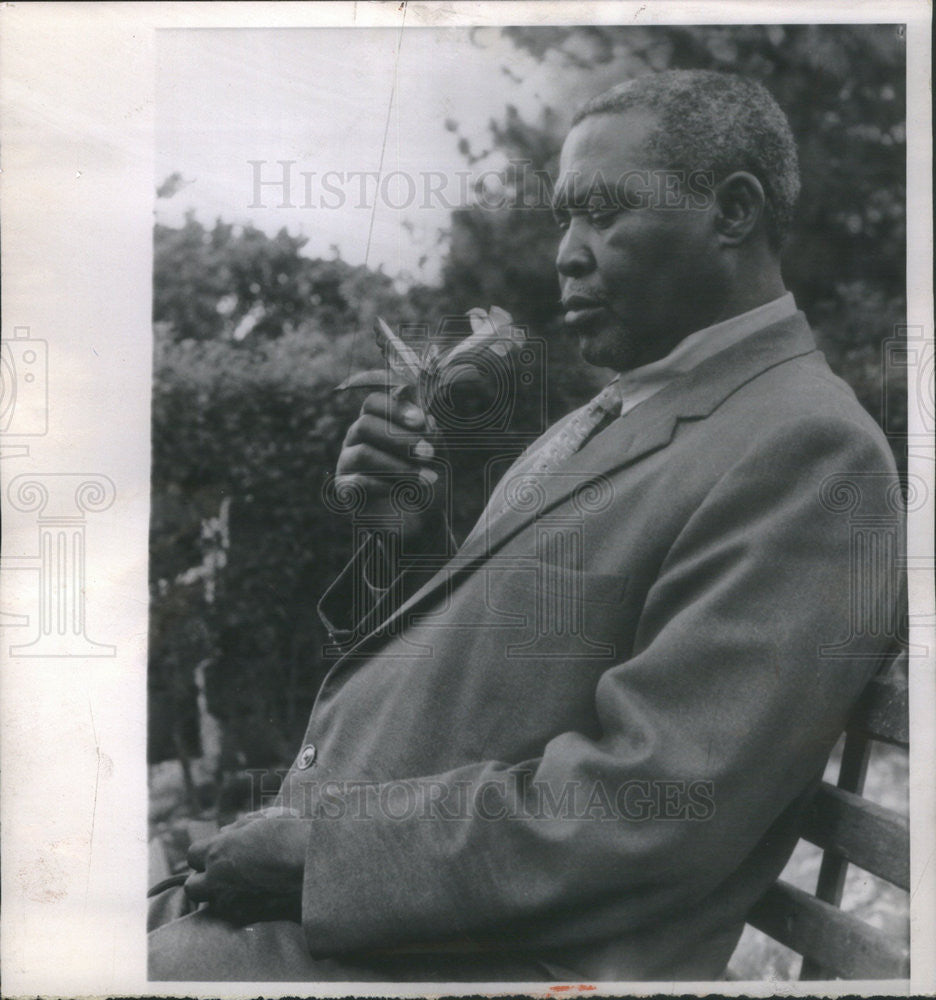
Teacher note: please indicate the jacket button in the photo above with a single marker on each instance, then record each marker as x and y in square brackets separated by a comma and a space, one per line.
[306, 756]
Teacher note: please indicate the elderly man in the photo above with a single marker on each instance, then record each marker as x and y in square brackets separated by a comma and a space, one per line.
[579, 748]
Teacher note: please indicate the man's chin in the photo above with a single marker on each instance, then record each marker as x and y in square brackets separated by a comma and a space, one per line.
[604, 351]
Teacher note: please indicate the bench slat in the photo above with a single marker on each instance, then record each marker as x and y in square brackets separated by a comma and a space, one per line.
[882, 711]
[864, 833]
[846, 946]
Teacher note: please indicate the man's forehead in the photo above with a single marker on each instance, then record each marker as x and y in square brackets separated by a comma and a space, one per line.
[605, 145]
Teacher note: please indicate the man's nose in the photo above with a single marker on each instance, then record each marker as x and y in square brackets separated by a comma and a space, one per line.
[574, 258]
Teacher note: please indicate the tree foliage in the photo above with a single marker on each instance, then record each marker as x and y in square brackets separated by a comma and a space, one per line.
[253, 419]
[235, 281]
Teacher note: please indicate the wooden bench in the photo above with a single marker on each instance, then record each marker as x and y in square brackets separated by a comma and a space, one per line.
[850, 830]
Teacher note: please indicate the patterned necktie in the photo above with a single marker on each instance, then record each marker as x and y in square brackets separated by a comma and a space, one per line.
[579, 429]
[545, 457]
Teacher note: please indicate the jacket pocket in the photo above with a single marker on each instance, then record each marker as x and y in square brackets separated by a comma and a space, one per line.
[562, 612]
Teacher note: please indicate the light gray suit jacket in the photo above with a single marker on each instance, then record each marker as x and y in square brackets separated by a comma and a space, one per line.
[587, 740]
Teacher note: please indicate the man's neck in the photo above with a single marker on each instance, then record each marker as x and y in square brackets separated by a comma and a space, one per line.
[746, 297]
[743, 299]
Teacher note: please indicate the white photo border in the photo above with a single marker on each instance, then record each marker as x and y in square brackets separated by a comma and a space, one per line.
[77, 202]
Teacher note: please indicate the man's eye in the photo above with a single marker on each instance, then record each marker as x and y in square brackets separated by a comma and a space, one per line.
[601, 219]
[561, 220]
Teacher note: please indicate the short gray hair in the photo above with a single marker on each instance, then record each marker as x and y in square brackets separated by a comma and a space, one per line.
[718, 122]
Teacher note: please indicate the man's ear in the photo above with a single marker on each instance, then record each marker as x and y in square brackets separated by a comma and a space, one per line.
[740, 206]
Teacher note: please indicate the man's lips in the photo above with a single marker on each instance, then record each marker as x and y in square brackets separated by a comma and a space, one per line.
[581, 309]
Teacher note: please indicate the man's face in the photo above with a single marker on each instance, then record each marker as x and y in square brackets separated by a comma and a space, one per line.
[635, 280]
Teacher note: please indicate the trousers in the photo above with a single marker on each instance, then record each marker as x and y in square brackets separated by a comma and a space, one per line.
[186, 944]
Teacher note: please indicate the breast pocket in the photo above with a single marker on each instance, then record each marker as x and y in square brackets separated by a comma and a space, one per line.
[562, 612]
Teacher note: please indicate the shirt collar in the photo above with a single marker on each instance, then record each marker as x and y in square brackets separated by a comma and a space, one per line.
[641, 383]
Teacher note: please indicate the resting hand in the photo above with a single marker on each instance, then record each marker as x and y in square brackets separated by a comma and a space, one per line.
[269, 812]
[251, 870]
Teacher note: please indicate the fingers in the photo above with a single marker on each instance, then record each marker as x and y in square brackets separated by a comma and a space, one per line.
[204, 886]
[376, 433]
[196, 887]
[253, 873]
[394, 409]
[385, 443]
[198, 852]
[201, 888]
[365, 459]
[388, 444]
[386, 435]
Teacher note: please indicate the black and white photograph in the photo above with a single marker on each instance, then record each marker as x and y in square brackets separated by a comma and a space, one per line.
[499, 554]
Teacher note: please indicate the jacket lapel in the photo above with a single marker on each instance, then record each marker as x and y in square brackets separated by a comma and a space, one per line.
[650, 426]
[645, 429]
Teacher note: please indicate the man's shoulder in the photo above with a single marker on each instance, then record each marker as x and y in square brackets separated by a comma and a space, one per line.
[798, 400]
[801, 386]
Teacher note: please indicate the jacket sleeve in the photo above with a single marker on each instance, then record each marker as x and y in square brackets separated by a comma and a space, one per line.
[731, 684]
